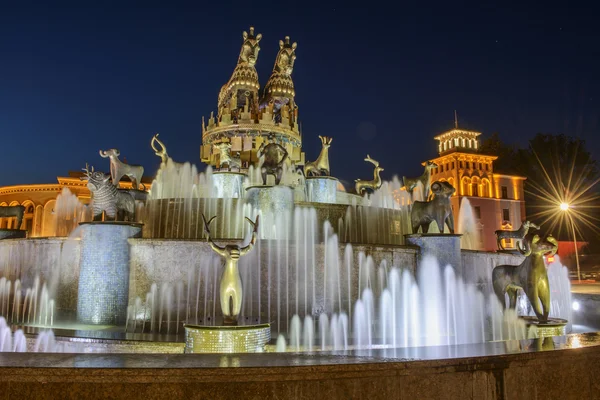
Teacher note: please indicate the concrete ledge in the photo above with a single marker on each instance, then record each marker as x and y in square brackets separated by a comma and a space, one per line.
[518, 370]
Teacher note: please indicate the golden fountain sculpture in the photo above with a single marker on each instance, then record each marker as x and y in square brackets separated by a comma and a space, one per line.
[361, 186]
[531, 276]
[230, 289]
[321, 165]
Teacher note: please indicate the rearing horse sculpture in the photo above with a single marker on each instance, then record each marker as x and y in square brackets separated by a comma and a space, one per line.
[321, 164]
[230, 288]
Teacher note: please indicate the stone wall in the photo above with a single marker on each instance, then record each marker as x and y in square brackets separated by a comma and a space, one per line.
[172, 261]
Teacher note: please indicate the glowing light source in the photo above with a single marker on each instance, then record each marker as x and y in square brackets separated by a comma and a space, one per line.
[575, 306]
[564, 206]
[550, 259]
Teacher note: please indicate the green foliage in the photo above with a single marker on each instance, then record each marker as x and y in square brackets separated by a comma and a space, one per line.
[558, 169]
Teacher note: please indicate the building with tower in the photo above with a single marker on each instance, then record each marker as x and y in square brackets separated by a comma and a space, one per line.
[497, 199]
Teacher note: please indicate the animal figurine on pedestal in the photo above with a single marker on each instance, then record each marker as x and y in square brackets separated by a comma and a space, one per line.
[226, 158]
[519, 234]
[13, 211]
[162, 153]
[118, 205]
[411, 183]
[239, 94]
[438, 209]
[119, 169]
[531, 276]
[230, 288]
[275, 155]
[321, 165]
[278, 94]
[361, 186]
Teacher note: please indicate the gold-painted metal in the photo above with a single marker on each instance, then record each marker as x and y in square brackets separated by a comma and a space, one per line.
[274, 157]
[245, 117]
[411, 183]
[531, 276]
[162, 153]
[226, 157]
[362, 185]
[552, 327]
[519, 234]
[230, 288]
[226, 339]
[321, 165]
[279, 90]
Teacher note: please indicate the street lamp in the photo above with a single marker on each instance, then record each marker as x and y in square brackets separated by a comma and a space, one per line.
[565, 207]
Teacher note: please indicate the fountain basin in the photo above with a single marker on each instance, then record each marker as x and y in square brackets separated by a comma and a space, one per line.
[322, 189]
[552, 327]
[12, 234]
[228, 185]
[567, 368]
[226, 339]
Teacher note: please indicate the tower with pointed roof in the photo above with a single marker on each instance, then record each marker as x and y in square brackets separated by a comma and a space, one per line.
[244, 119]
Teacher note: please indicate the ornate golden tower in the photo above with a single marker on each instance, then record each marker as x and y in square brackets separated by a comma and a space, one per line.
[246, 120]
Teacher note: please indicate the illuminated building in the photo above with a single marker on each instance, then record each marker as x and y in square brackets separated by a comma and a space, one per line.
[39, 201]
[497, 199]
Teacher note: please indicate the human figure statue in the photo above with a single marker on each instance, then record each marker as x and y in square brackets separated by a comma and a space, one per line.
[230, 288]
[275, 155]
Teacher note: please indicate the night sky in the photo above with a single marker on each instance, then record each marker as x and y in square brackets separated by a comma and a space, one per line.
[75, 79]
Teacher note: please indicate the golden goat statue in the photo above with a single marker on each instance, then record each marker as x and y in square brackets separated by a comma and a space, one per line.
[321, 165]
[361, 186]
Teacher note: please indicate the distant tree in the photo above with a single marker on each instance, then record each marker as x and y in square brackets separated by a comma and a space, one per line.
[506, 153]
[558, 169]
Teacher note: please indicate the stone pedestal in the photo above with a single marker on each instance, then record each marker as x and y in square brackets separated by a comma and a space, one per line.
[446, 248]
[228, 185]
[276, 205]
[552, 327]
[226, 339]
[103, 291]
[12, 234]
[321, 189]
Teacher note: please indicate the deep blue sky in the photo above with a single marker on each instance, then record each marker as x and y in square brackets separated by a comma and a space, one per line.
[75, 79]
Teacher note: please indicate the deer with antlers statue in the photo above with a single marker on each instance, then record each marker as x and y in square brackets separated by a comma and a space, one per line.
[361, 185]
[321, 165]
[230, 288]
[162, 153]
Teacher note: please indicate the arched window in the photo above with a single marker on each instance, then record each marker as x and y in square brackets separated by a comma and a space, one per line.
[475, 187]
[464, 187]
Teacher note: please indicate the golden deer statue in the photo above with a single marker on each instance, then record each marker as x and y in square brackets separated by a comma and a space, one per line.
[321, 165]
[361, 185]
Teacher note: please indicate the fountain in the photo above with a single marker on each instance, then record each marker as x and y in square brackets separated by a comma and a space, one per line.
[325, 270]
